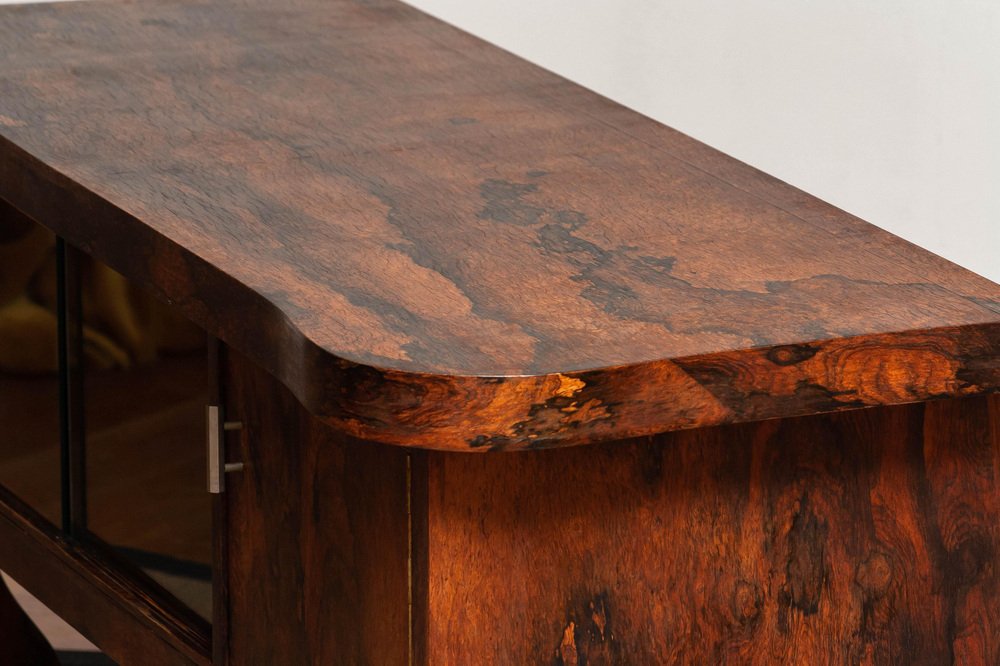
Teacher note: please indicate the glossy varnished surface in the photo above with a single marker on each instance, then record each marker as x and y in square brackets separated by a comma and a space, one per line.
[434, 243]
[317, 536]
[868, 537]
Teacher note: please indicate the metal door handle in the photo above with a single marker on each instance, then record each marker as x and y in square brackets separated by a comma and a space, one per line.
[217, 465]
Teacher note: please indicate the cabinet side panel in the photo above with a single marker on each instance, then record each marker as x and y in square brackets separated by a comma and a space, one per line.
[861, 537]
[317, 534]
[962, 457]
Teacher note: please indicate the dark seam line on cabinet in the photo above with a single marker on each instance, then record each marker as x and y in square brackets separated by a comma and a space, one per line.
[409, 556]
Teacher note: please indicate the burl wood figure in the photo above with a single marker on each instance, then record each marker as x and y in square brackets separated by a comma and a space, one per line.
[524, 377]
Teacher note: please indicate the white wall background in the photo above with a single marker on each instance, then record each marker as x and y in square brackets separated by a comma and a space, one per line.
[889, 109]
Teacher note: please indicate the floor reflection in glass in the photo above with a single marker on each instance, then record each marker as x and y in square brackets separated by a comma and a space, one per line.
[146, 492]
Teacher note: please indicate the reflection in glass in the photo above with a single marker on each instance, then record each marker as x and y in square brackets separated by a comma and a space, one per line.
[145, 397]
[29, 364]
[116, 450]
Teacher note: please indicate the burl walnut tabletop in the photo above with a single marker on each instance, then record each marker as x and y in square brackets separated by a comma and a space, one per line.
[433, 243]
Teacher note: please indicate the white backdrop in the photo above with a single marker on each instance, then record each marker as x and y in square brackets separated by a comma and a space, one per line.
[889, 109]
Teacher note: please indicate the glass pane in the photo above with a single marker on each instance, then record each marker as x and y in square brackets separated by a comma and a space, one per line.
[29, 362]
[145, 398]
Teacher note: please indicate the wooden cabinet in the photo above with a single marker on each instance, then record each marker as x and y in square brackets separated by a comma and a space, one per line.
[487, 368]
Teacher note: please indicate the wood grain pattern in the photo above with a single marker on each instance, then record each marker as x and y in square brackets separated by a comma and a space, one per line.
[868, 537]
[436, 244]
[317, 536]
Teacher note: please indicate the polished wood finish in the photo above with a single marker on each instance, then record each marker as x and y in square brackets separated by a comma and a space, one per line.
[434, 243]
[317, 532]
[405, 236]
[869, 537]
[83, 585]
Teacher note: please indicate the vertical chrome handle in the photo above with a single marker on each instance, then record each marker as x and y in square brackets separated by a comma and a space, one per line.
[217, 465]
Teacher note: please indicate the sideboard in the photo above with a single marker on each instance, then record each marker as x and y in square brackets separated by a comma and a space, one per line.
[330, 334]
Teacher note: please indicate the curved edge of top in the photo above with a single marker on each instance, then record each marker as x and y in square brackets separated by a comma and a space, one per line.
[481, 413]
[514, 413]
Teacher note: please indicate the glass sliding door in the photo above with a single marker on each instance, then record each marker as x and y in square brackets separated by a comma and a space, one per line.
[144, 435]
[30, 434]
[103, 395]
